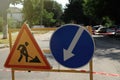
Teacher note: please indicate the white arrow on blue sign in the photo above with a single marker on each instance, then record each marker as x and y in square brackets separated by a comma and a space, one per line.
[72, 46]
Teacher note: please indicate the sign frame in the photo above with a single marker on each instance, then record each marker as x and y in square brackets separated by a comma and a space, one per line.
[90, 72]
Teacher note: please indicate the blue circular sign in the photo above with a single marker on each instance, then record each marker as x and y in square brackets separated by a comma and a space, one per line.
[72, 46]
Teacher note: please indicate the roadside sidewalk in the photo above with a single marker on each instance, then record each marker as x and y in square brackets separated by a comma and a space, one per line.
[43, 37]
[4, 46]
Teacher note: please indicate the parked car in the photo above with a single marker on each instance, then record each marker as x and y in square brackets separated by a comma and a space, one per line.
[94, 28]
[38, 26]
[117, 33]
[111, 30]
[101, 31]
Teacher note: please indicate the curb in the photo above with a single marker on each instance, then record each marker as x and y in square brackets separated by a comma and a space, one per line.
[4, 46]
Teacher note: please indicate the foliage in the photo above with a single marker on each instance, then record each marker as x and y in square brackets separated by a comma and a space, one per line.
[12, 23]
[74, 12]
[55, 8]
[28, 11]
[102, 8]
[93, 12]
[112, 9]
[35, 14]
[48, 18]
[89, 11]
[107, 21]
[4, 5]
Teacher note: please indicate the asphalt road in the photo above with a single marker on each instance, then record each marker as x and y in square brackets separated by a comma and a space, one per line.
[106, 62]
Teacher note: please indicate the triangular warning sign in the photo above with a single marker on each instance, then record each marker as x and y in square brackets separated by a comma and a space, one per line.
[26, 53]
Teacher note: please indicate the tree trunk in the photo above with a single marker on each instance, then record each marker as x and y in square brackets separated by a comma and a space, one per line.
[5, 25]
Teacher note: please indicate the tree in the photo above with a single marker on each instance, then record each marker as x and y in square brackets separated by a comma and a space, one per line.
[89, 10]
[55, 8]
[48, 18]
[74, 12]
[33, 12]
[4, 5]
[112, 9]
[92, 12]
[28, 11]
[97, 10]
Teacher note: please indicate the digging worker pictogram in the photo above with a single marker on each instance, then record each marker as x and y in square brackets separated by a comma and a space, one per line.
[23, 51]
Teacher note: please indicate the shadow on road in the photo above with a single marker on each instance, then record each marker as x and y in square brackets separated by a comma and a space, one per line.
[107, 47]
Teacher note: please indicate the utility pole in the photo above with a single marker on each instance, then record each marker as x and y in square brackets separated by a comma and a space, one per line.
[4, 5]
[42, 8]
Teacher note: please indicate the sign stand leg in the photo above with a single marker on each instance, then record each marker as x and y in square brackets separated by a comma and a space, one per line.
[89, 28]
[91, 69]
[13, 74]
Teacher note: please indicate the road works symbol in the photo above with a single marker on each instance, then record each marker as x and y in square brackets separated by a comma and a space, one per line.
[26, 53]
[72, 46]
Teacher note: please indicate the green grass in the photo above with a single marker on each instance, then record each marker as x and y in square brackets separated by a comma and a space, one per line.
[4, 41]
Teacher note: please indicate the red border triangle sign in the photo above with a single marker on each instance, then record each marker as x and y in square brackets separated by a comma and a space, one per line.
[26, 53]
